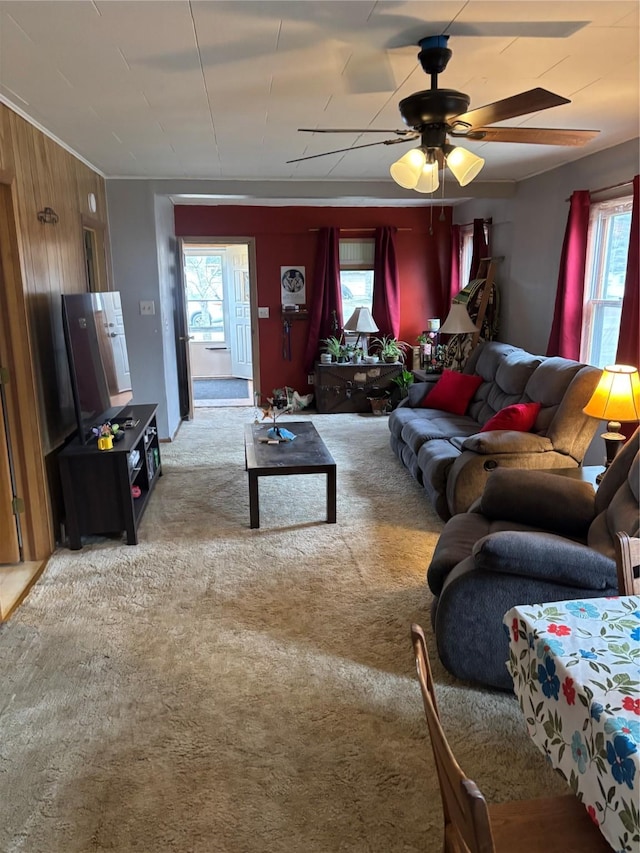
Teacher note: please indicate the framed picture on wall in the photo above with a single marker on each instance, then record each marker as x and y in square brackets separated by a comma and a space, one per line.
[293, 285]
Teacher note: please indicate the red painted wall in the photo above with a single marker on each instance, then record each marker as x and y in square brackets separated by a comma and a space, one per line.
[288, 235]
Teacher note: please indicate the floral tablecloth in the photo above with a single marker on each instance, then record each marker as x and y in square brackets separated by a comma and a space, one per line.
[576, 673]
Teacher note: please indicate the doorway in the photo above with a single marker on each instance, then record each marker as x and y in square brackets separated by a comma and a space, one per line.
[218, 301]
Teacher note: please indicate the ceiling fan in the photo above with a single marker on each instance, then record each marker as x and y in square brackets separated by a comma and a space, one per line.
[435, 115]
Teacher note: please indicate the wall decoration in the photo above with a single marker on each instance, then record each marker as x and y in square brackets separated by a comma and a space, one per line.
[293, 285]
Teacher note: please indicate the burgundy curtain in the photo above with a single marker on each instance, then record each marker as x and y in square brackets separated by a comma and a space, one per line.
[386, 284]
[566, 328]
[628, 340]
[326, 294]
[454, 285]
[480, 248]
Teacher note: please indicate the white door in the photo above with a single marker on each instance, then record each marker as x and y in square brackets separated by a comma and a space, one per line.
[115, 332]
[238, 301]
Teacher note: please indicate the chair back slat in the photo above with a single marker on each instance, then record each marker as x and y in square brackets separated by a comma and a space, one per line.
[628, 564]
[465, 809]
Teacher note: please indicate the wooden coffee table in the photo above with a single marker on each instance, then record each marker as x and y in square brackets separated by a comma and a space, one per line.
[306, 454]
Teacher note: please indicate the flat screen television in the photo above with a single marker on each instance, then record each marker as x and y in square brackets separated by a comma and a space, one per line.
[98, 360]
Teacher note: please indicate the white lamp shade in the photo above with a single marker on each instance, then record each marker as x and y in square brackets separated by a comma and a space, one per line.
[407, 170]
[464, 165]
[617, 395]
[428, 181]
[361, 321]
[458, 321]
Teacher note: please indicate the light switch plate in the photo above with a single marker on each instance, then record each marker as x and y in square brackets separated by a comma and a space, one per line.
[263, 313]
[147, 306]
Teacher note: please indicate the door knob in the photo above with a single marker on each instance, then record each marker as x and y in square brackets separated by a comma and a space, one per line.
[186, 337]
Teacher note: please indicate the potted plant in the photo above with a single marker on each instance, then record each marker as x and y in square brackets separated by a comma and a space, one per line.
[333, 346]
[358, 355]
[391, 350]
[379, 401]
[403, 381]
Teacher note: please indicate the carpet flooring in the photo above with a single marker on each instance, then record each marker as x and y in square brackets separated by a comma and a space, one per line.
[220, 389]
[217, 689]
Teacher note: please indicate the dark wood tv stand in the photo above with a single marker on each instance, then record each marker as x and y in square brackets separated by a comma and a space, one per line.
[97, 484]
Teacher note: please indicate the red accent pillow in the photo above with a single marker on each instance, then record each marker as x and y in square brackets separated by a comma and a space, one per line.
[519, 416]
[452, 392]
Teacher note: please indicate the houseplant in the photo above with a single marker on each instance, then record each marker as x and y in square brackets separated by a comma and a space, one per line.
[333, 346]
[390, 349]
[403, 381]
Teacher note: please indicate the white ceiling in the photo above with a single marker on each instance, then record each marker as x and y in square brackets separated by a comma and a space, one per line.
[217, 90]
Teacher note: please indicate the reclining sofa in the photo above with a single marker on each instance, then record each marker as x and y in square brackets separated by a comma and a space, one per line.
[452, 460]
[532, 537]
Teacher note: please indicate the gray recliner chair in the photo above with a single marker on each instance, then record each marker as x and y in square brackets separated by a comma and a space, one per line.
[532, 536]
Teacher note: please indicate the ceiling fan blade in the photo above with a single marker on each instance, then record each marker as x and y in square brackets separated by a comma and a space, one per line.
[531, 101]
[403, 132]
[353, 148]
[531, 135]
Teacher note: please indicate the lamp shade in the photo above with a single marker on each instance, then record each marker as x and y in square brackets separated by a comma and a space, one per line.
[361, 321]
[617, 395]
[407, 170]
[428, 182]
[458, 321]
[464, 165]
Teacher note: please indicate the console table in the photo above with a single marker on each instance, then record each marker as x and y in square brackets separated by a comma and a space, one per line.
[346, 387]
[97, 484]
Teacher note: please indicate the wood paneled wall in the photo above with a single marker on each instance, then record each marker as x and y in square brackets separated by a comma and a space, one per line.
[40, 262]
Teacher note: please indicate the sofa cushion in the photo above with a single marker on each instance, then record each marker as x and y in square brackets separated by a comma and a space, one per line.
[545, 556]
[505, 380]
[519, 416]
[435, 425]
[452, 392]
[550, 501]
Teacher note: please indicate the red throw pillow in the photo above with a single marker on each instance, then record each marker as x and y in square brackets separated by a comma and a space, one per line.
[519, 416]
[452, 392]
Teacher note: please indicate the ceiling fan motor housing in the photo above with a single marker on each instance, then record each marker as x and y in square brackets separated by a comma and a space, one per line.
[433, 106]
[434, 54]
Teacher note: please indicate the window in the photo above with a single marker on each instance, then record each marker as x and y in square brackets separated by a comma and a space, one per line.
[203, 281]
[608, 246]
[356, 275]
[466, 253]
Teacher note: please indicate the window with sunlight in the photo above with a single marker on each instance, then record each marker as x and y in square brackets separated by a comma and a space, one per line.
[466, 253]
[356, 275]
[204, 290]
[608, 246]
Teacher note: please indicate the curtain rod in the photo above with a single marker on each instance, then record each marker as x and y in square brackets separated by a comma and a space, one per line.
[362, 229]
[606, 189]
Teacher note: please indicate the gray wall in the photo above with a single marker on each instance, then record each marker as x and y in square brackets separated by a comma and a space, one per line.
[528, 231]
[142, 236]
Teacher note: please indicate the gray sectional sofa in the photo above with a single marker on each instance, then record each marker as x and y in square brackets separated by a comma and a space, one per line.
[452, 460]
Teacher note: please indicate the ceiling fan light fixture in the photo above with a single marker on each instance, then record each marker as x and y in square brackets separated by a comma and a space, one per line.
[428, 182]
[406, 171]
[464, 165]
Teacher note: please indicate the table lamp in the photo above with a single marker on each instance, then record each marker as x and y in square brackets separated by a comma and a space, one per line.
[361, 322]
[616, 400]
[459, 323]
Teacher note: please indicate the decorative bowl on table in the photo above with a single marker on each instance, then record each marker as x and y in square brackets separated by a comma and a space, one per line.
[371, 359]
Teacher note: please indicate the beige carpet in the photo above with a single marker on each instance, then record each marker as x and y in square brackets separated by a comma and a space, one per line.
[222, 690]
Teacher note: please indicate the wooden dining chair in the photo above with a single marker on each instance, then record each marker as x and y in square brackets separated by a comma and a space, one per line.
[471, 825]
[627, 559]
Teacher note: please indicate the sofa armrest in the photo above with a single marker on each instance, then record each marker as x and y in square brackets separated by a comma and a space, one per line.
[416, 393]
[545, 556]
[507, 441]
[540, 499]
